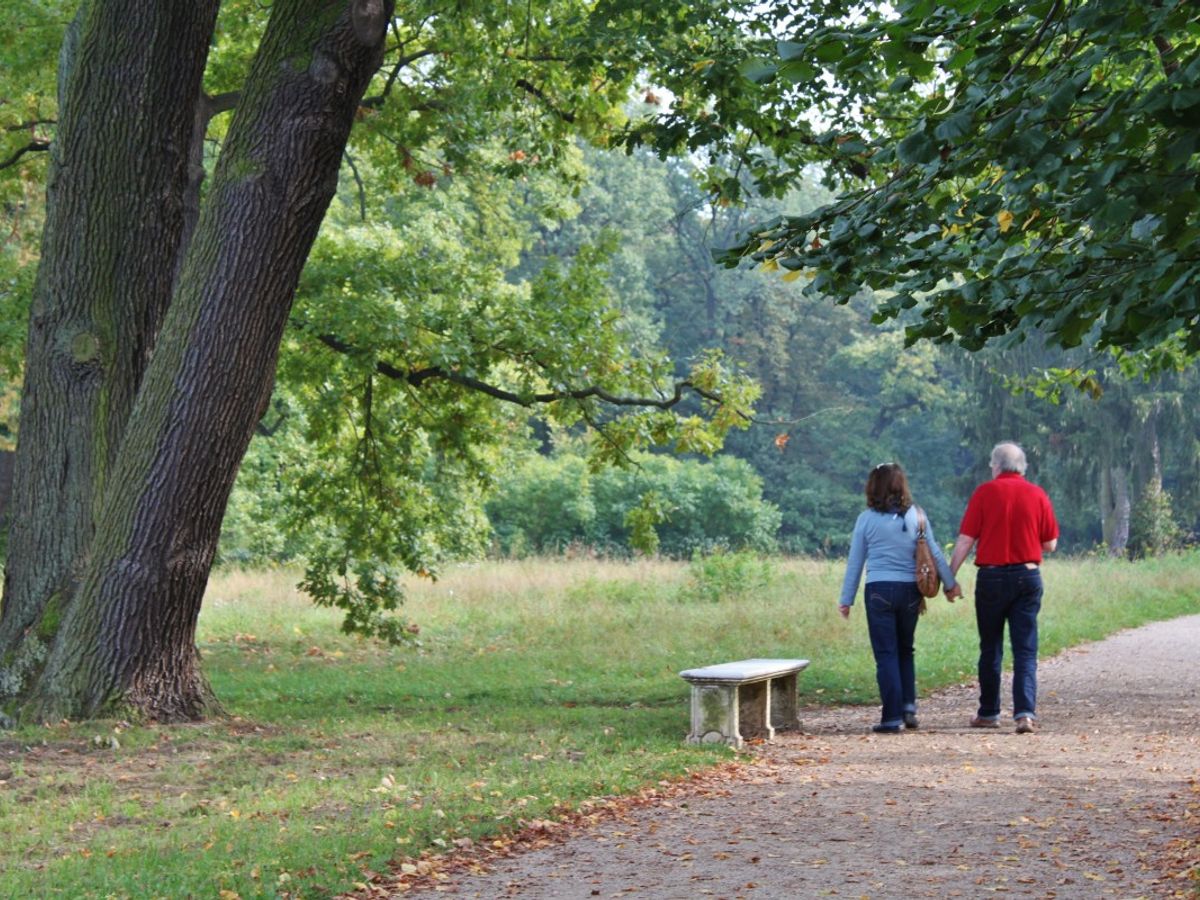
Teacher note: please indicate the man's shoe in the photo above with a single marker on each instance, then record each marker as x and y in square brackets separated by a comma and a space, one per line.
[886, 729]
[1024, 725]
[910, 720]
[980, 722]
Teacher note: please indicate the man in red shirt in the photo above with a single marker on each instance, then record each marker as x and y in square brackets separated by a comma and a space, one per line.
[1010, 522]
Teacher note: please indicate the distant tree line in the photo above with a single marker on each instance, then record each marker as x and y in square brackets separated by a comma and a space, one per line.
[840, 393]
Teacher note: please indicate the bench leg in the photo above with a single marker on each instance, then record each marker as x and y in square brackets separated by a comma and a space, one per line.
[715, 715]
[784, 709]
[754, 710]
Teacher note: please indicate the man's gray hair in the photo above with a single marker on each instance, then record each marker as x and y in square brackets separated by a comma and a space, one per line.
[1008, 457]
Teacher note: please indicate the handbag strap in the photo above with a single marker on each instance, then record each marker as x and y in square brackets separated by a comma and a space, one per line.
[920, 522]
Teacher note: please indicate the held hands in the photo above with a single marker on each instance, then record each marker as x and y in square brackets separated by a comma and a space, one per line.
[954, 593]
[844, 610]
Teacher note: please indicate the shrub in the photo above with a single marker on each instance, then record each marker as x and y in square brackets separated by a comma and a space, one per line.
[542, 506]
[688, 506]
[1152, 527]
[721, 576]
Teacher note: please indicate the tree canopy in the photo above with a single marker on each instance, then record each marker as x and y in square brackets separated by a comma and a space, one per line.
[1005, 167]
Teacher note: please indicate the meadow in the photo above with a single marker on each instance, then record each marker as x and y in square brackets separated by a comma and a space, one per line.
[533, 686]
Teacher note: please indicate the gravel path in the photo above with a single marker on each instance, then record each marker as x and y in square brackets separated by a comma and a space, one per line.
[1095, 804]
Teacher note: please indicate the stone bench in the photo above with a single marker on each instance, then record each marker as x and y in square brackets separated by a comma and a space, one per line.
[751, 698]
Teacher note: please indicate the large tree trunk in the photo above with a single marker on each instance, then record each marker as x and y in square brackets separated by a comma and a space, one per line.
[129, 80]
[126, 641]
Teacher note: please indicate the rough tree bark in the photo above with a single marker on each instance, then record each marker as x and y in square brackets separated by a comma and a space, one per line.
[1116, 508]
[120, 615]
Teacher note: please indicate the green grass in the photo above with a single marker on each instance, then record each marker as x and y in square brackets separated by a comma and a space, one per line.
[537, 685]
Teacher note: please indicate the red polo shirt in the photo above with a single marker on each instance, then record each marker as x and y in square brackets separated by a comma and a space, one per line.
[1011, 519]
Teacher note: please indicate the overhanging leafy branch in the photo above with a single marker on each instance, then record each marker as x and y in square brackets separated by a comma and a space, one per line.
[1028, 169]
[417, 377]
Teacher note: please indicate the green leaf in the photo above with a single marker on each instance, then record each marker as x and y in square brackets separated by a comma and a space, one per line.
[830, 51]
[1180, 150]
[797, 71]
[1062, 99]
[1118, 211]
[954, 127]
[757, 69]
[960, 59]
[789, 50]
[918, 148]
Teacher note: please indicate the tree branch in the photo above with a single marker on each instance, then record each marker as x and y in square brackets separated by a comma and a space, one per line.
[1037, 39]
[31, 147]
[811, 415]
[417, 377]
[362, 189]
[402, 62]
[531, 88]
[219, 103]
[1165, 50]
[31, 124]
[262, 428]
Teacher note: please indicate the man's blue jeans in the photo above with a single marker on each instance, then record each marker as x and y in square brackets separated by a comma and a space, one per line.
[892, 611]
[1009, 595]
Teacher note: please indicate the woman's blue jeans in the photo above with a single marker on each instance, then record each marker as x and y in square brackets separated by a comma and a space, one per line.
[892, 611]
[1009, 595]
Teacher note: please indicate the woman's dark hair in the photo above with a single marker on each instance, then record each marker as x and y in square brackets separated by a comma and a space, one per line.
[887, 489]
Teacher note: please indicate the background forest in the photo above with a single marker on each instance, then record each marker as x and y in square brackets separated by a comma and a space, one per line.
[840, 392]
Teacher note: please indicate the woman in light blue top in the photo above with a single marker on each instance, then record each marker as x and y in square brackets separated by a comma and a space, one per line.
[884, 539]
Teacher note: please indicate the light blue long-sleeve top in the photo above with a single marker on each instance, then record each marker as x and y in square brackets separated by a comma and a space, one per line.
[885, 543]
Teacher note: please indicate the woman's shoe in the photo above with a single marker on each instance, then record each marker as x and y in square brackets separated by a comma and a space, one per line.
[886, 729]
[910, 720]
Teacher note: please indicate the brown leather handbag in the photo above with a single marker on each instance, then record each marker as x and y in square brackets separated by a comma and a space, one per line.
[928, 580]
